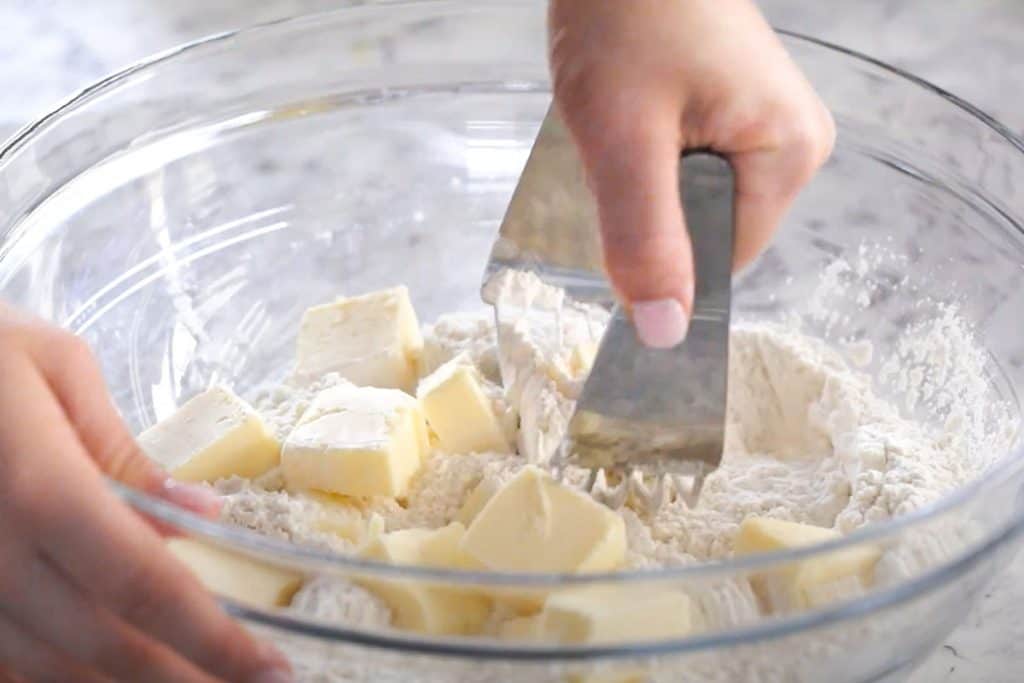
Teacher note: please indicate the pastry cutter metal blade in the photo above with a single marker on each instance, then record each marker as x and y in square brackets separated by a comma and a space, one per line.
[649, 423]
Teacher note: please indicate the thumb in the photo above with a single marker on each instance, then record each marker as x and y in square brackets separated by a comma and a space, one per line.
[76, 380]
[633, 170]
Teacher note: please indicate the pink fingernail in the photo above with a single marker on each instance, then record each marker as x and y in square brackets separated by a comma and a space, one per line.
[197, 498]
[660, 324]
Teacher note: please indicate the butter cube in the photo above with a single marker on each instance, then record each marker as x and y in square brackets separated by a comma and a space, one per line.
[371, 340]
[419, 605]
[763, 534]
[805, 583]
[476, 500]
[605, 615]
[212, 436]
[633, 675]
[235, 576]
[341, 516]
[356, 441]
[522, 628]
[839, 575]
[535, 524]
[613, 614]
[459, 411]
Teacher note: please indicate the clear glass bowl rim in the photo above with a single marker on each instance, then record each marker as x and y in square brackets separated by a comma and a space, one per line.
[282, 552]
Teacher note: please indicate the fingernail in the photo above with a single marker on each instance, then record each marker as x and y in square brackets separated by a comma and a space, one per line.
[660, 324]
[201, 499]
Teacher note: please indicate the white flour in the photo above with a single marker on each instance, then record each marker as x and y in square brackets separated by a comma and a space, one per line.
[807, 440]
[471, 333]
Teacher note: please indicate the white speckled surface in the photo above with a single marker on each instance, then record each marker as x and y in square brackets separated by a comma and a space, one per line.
[50, 48]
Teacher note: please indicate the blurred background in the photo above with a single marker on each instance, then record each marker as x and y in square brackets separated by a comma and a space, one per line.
[51, 48]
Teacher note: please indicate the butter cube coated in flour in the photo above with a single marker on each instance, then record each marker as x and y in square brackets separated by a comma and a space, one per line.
[592, 615]
[614, 614]
[419, 605]
[356, 441]
[371, 340]
[212, 436]
[522, 628]
[458, 410]
[805, 583]
[763, 534]
[340, 515]
[235, 576]
[627, 677]
[476, 500]
[535, 524]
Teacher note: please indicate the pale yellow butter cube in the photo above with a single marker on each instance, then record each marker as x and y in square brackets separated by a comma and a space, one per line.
[805, 583]
[356, 441]
[476, 500]
[424, 606]
[212, 436]
[522, 628]
[371, 340]
[821, 580]
[535, 524]
[615, 614]
[458, 410]
[341, 516]
[235, 576]
[605, 615]
[763, 534]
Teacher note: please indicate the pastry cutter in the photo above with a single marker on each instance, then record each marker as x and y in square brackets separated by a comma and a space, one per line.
[649, 424]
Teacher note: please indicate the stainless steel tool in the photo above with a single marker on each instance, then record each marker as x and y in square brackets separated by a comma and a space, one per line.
[649, 423]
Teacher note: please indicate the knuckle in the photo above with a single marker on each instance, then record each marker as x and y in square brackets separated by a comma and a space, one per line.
[597, 101]
[653, 267]
[804, 132]
[807, 136]
[120, 457]
[569, 73]
[570, 84]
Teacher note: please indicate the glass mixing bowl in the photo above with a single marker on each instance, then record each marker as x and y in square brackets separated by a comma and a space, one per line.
[181, 214]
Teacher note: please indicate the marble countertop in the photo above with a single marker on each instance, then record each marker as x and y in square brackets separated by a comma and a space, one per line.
[51, 48]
